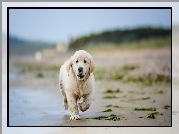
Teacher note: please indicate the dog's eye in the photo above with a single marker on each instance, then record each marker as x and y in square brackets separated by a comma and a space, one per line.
[84, 61]
[77, 61]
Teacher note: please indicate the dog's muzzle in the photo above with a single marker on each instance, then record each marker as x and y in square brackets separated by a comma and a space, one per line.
[80, 76]
[80, 73]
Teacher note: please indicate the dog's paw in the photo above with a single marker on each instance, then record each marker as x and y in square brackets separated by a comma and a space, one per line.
[83, 106]
[74, 117]
[65, 105]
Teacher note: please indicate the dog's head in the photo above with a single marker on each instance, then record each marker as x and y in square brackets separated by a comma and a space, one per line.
[82, 64]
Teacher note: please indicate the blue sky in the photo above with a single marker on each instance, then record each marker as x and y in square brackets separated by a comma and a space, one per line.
[58, 25]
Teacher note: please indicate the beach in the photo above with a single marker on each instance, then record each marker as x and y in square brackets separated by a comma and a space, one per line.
[35, 98]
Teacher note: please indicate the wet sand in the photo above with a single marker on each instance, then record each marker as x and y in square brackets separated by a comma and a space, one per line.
[43, 107]
[38, 102]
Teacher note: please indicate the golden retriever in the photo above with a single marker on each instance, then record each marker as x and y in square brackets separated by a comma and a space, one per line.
[76, 80]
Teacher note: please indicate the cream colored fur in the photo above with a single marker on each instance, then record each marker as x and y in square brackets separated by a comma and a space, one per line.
[72, 87]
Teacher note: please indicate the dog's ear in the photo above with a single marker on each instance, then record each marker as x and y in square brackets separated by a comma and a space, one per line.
[68, 66]
[92, 66]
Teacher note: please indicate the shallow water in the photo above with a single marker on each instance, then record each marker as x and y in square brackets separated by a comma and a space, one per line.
[35, 107]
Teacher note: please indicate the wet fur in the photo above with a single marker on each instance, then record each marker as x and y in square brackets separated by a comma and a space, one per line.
[72, 88]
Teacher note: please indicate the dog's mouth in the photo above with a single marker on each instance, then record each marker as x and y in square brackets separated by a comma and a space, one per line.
[80, 76]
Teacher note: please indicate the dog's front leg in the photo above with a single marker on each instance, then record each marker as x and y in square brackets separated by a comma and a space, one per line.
[86, 102]
[72, 104]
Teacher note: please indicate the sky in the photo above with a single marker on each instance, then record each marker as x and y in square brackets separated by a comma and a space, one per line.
[58, 25]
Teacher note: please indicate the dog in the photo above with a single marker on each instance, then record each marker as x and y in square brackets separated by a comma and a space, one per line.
[76, 81]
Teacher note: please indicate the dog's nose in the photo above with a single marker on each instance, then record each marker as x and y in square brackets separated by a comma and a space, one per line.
[80, 69]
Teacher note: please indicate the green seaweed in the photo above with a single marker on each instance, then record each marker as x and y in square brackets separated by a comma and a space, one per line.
[111, 117]
[108, 105]
[160, 92]
[129, 67]
[144, 109]
[117, 107]
[113, 106]
[114, 117]
[162, 78]
[110, 97]
[99, 117]
[145, 98]
[157, 113]
[149, 79]
[166, 107]
[152, 115]
[153, 101]
[140, 117]
[108, 110]
[113, 91]
[118, 91]
[117, 76]
[109, 91]
[39, 75]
